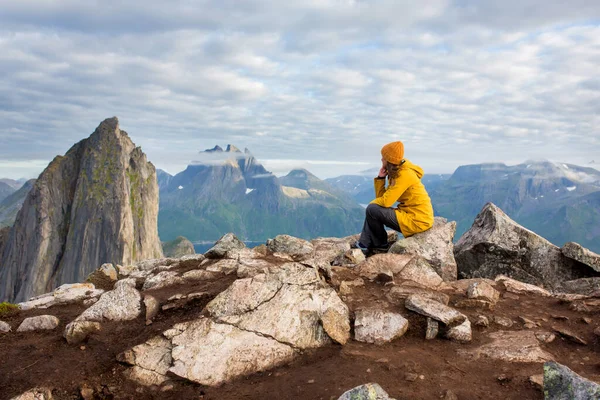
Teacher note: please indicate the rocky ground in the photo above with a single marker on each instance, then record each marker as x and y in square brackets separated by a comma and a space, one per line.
[299, 320]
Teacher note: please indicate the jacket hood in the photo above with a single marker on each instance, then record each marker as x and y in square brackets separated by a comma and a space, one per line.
[408, 165]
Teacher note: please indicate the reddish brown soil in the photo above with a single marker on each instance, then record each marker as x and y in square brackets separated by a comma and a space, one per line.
[45, 359]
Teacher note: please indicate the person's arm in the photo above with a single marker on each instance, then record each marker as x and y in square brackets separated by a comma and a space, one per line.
[379, 186]
[393, 193]
[379, 181]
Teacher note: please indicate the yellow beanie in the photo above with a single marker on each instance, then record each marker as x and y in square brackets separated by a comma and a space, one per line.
[393, 152]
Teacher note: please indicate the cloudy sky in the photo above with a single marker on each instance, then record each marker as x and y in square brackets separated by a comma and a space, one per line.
[321, 84]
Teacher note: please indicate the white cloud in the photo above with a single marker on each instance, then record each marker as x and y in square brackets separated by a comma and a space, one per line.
[299, 81]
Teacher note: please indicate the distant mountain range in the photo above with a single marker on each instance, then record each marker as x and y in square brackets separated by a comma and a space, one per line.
[559, 201]
[230, 191]
[11, 204]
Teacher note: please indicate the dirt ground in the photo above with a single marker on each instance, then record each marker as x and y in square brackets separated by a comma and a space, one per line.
[408, 368]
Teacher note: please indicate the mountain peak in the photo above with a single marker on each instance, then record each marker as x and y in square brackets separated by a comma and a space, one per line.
[216, 149]
[232, 149]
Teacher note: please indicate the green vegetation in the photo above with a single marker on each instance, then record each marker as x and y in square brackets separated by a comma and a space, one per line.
[8, 309]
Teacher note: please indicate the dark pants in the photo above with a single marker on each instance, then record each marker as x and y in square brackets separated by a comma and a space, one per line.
[376, 219]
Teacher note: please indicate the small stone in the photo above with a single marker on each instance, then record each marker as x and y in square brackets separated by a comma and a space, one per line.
[450, 395]
[152, 307]
[503, 321]
[378, 326]
[586, 320]
[483, 291]
[560, 317]
[368, 391]
[569, 335]
[77, 331]
[502, 378]
[410, 377]
[86, 392]
[167, 388]
[311, 381]
[545, 337]
[421, 377]
[461, 333]
[369, 370]
[41, 322]
[597, 331]
[537, 381]
[433, 328]
[4, 327]
[482, 320]
[81, 347]
[474, 303]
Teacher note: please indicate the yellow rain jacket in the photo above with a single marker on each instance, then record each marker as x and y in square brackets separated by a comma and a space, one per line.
[414, 211]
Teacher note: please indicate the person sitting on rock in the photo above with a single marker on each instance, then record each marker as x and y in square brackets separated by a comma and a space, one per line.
[414, 212]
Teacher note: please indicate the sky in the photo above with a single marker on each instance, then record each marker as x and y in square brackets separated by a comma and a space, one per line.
[318, 84]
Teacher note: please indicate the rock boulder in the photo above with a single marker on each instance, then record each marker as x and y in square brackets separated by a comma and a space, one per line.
[434, 245]
[497, 245]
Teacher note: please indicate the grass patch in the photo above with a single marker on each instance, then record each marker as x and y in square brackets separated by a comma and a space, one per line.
[8, 309]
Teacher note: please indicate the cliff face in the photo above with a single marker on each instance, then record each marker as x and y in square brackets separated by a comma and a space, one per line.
[96, 204]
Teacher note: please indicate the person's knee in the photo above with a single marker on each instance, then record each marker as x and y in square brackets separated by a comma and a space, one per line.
[373, 210]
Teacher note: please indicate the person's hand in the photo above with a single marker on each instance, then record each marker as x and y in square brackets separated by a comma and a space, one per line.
[382, 172]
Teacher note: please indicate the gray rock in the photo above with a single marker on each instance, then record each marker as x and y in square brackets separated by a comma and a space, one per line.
[482, 321]
[35, 394]
[514, 286]
[496, 245]
[294, 314]
[503, 321]
[566, 333]
[584, 286]
[378, 326]
[123, 303]
[200, 275]
[434, 245]
[560, 383]
[399, 267]
[298, 249]
[4, 327]
[353, 257]
[226, 267]
[474, 303]
[398, 294]
[483, 291]
[461, 286]
[201, 347]
[191, 260]
[226, 243]
[511, 346]
[64, 294]
[179, 247]
[435, 310]
[460, 333]
[39, 323]
[151, 361]
[328, 249]
[579, 253]
[163, 279]
[152, 307]
[545, 337]
[104, 277]
[433, 328]
[369, 391]
[98, 203]
[153, 263]
[77, 331]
